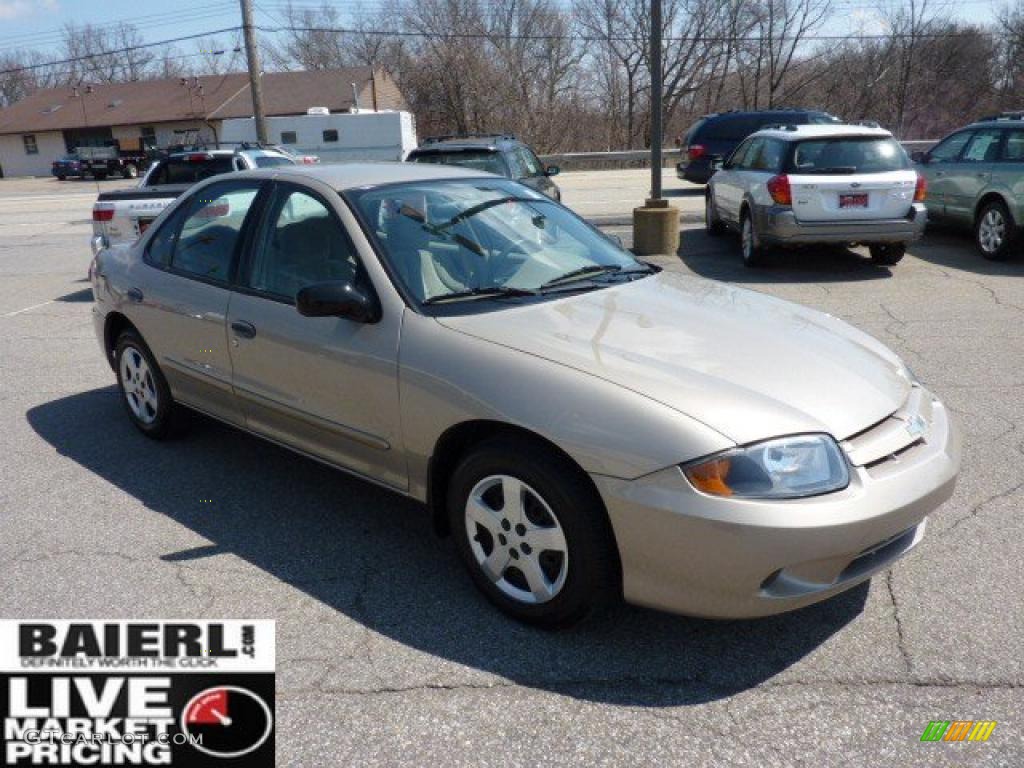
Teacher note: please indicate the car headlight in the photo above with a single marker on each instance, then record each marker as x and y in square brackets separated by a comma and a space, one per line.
[783, 468]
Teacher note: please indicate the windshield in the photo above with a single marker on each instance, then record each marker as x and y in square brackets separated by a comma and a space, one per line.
[474, 238]
[269, 161]
[846, 154]
[477, 160]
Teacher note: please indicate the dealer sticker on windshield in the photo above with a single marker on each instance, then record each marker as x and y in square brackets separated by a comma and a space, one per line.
[194, 693]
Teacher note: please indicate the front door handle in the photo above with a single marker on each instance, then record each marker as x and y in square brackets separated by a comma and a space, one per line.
[243, 329]
[133, 294]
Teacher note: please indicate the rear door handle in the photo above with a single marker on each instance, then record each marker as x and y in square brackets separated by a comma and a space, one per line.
[133, 294]
[243, 329]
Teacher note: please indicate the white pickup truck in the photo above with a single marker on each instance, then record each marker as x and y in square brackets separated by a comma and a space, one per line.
[120, 216]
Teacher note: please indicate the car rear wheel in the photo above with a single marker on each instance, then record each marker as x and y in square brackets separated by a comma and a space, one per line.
[99, 175]
[887, 254]
[144, 390]
[994, 231]
[753, 251]
[532, 532]
[61, 178]
[712, 223]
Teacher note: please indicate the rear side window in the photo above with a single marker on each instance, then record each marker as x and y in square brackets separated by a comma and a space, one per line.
[206, 244]
[690, 136]
[734, 127]
[983, 146]
[161, 247]
[1013, 150]
[848, 155]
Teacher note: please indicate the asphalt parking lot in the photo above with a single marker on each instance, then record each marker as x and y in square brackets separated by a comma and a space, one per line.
[387, 655]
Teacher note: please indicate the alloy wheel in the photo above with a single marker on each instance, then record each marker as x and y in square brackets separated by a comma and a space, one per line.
[139, 387]
[516, 539]
[747, 239]
[991, 231]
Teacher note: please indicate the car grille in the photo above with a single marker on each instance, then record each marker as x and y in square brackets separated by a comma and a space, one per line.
[895, 436]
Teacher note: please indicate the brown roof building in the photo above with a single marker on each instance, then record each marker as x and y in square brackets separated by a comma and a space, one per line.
[52, 122]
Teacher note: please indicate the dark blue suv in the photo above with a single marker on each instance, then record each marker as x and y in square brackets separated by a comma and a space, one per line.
[717, 135]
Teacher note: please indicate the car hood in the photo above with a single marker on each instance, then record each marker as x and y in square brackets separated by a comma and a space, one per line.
[745, 364]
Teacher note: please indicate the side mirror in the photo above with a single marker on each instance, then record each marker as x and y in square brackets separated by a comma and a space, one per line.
[716, 162]
[919, 157]
[552, 170]
[338, 299]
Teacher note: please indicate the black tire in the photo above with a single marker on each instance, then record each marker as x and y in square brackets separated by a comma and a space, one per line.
[995, 233]
[591, 576]
[100, 175]
[61, 178]
[754, 253]
[130, 171]
[887, 254]
[712, 223]
[164, 416]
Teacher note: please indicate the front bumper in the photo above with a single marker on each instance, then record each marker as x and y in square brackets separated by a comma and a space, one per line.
[778, 225]
[688, 552]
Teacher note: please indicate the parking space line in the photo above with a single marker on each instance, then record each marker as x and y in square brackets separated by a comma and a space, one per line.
[29, 309]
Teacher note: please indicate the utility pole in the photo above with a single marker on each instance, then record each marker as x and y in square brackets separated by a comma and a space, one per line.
[252, 56]
[655, 223]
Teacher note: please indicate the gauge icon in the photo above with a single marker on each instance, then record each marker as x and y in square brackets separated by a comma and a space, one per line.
[227, 721]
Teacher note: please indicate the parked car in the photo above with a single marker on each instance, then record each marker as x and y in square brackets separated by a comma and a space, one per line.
[66, 167]
[976, 179]
[584, 424]
[501, 154]
[720, 133]
[100, 162]
[122, 215]
[809, 184]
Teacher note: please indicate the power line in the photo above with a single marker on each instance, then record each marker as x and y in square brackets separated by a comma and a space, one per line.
[116, 51]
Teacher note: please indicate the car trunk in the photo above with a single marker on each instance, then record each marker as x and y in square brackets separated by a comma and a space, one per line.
[852, 197]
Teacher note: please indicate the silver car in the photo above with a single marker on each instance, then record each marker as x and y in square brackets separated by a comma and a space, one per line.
[811, 184]
[585, 425]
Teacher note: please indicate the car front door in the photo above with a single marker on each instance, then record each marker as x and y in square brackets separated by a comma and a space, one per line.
[972, 174]
[727, 184]
[181, 293]
[939, 165]
[327, 386]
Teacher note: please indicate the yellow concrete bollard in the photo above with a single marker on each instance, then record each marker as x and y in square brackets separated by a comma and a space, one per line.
[655, 229]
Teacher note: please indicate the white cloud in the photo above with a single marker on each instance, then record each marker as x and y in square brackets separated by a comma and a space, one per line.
[12, 9]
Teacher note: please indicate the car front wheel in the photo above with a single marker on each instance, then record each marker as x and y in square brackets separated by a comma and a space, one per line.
[994, 231]
[532, 532]
[144, 390]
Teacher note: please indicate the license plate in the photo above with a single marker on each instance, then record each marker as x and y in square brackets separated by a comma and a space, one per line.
[144, 225]
[853, 201]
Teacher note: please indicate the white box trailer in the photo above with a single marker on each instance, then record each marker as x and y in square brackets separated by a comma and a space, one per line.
[339, 138]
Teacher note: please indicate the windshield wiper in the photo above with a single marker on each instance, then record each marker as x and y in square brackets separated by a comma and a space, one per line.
[500, 291]
[593, 270]
[837, 169]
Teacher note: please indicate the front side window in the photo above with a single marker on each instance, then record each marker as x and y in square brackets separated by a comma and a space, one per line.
[949, 149]
[746, 161]
[477, 160]
[301, 243]
[737, 157]
[848, 154]
[473, 238]
[206, 244]
[31, 148]
[983, 146]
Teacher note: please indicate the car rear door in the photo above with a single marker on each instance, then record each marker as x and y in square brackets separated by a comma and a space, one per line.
[327, 386]
[1008, 174]
[850, 178]
[972, 173]
[180, 293]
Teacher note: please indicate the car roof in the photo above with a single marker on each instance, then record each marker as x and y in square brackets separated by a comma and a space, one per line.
[343, 176]
[793, 132]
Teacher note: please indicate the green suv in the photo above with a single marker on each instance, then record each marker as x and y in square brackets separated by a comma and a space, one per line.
[975, 177]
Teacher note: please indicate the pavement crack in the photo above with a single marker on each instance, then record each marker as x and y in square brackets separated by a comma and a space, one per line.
[900, 637]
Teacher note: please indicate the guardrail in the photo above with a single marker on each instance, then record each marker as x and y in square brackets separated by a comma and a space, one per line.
[640, 158]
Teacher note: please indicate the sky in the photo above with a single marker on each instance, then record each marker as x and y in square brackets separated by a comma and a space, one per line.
[37, 23]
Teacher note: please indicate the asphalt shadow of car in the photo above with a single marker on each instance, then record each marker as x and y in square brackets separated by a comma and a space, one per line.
[953, 247]
[719, 258]
[372, 555]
